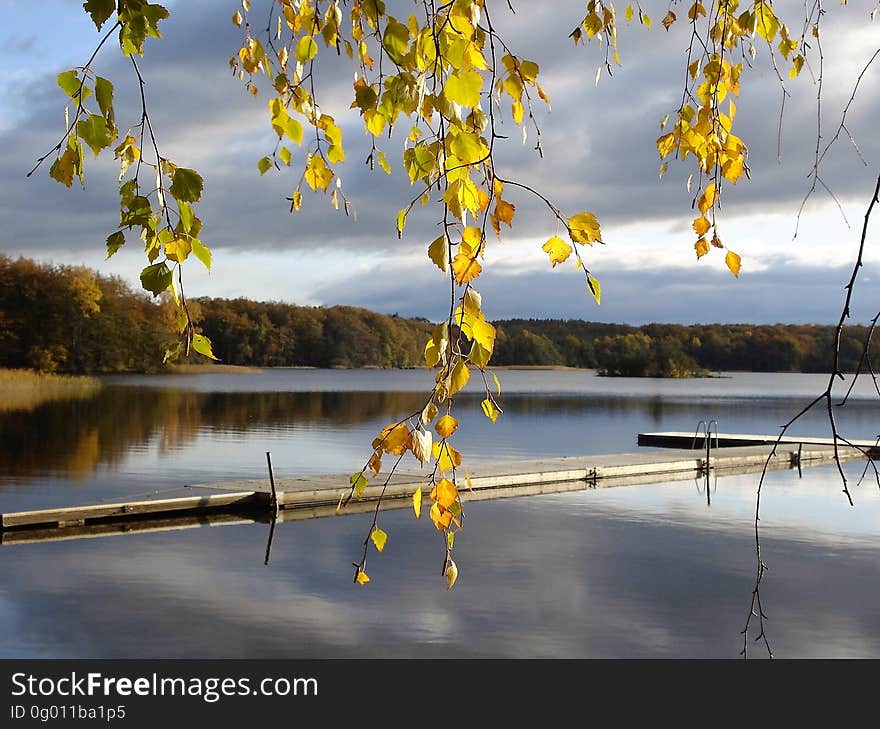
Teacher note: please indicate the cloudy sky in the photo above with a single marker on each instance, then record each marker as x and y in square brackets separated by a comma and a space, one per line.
[599, 155]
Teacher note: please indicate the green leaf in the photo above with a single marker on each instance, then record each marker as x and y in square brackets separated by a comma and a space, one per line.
[359, 482]
[396, 40]
[156, 278]
[104, 95]
[284, 154]
[365, 98]
[100, 10]
[202, 252]
[186, 217]
[186, 185]
[93, 130]
[137, 212]
[202, 345]
[306, 49]
[263, 165]
[115, 241]
[69, 82]
[139, 20]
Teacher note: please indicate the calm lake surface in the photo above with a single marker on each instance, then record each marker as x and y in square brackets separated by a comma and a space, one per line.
[647, 570]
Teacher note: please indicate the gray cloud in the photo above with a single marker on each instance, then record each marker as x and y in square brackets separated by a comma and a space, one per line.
[686, 296]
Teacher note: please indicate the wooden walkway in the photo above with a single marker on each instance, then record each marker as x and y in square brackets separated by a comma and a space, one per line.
[729, 440]
[308, 497]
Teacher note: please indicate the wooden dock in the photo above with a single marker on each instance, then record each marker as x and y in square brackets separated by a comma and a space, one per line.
[309, 497]
[730, 440]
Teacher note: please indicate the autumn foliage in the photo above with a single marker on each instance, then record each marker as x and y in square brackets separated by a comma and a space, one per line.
[444, 77]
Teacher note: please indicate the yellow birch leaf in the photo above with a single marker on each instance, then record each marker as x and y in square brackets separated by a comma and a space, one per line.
[459, 377]
[446, 456]
[701, 247]
[517, 110]
[479, 356]
[702, 225]
[733, 168]
[584, 228]
[490, 410]
[543, 95]
[442, 518]
[375, 463]
[504, 212]
[451, 574]
[557, 249]
[383, 163]
[733, 262]
[595, 288]
[473, 302]
[466, 268]
[446, 493]
[378, 537]
[401, 222]
[464, 88]
[483, 333]
[429, 413]
[317, 174]
[394, 438]
[362, 577]
[446, 426]
[707, 199]
[417, 503]
[438, 252]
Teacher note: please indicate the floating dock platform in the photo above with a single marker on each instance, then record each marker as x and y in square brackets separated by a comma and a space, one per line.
[309, 497]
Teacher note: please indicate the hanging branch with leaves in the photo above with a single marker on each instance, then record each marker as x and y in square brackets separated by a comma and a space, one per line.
[446, 79]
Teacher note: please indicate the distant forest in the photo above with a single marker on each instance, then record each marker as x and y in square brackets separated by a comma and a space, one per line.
[71, 319]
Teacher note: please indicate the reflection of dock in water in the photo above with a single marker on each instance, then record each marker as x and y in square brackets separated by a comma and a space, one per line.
[311, 497]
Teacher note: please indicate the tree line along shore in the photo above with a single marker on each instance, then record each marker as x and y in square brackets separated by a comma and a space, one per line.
[72, 320]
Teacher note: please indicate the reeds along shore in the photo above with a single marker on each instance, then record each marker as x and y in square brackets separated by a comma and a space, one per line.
[26, 389]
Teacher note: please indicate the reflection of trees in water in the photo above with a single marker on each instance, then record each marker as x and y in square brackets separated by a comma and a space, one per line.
[75, 436]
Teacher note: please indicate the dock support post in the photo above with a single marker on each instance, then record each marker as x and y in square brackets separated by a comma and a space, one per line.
[274, 498]
[273, 505]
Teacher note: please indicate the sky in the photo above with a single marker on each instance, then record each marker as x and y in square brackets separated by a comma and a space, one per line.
[599, 155]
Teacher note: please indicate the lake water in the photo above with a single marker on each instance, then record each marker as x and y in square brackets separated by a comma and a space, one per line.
[647, 570]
